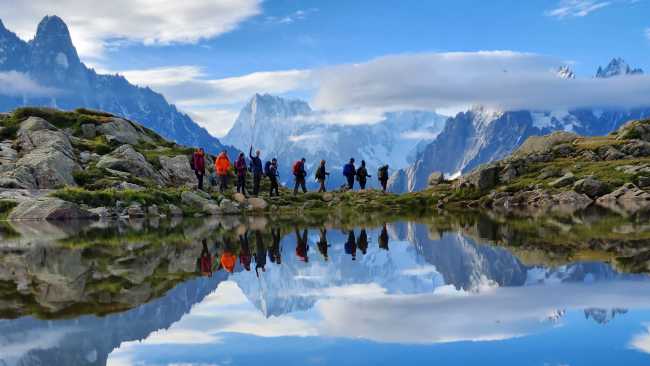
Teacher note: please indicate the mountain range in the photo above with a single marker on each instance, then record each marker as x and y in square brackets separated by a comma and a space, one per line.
[47, 71]
[481, 135]
[290, 129]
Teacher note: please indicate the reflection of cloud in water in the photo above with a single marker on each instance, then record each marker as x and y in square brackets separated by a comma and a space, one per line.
[641, 341]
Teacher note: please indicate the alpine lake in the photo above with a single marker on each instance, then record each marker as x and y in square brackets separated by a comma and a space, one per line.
[452, 288]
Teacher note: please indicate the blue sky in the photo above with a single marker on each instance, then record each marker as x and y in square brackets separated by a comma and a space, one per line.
[207, 55]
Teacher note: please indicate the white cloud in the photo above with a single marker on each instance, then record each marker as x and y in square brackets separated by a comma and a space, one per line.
[17, 84]
[291, 18]
[217, 121]
[499, 79]
[641, 342]
[647, 33]
[576, 8]
[419, 135]
[96, 25]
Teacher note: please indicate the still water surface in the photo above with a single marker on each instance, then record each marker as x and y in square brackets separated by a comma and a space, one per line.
[455, 291]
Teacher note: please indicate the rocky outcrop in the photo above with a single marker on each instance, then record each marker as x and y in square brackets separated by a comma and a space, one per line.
[123, 131]
[543, 144]
[483, 178]
[176, 171]
[49, 208]
[47, 159]
[200, 202]
[628, 199]
[590, 186]
[126, 159]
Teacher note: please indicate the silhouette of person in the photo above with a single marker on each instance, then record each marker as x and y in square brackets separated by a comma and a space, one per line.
[301, 246]
[276, 255]
[322, 243]
[363, 241]
[205, 260]
[260, 253]
[228, 258]
[244, 252]
[351, 245]
[383, 238]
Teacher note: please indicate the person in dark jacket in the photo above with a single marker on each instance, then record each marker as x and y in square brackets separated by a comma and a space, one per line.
[240, 168]
[383, 238]
[299, 173]
[260, 253]
[321, 176]
[256, 169]
[244, 252]
[198, 165]
[276, 249]
[363, 241]
[272, 174]
[362, 175]
[351, 245]
[322, 242]
[302, 248]
[382, 175]
[350, 172]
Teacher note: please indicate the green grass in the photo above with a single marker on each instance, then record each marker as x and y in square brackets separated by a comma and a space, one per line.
[108, 197]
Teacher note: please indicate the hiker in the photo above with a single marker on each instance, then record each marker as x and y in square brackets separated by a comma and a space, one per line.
[301, 246]
[256, 169]
[382, 175]
[299, 173]
[273, 175]
[222, 167]
[362, 175]
[363, 241]
[205, 260]
[351, 245]
[383, 238]
[321, 176]
[275, 253]
[198, 165]
[349, 172]
[322, 243]
[240, 168]
[260, 253]
[244, 252]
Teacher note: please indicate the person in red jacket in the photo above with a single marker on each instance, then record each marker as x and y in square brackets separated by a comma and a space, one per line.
[241, 169]
[198, 165]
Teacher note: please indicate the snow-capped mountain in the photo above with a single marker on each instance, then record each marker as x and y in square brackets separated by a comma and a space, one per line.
[290, 129]
[50, 61]
[480, 136]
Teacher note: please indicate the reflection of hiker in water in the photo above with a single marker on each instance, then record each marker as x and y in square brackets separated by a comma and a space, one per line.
[244, 252]
[383, 238]
[301, 246]
[228, 259]
[351, 245]
[205, 260]
[363, 241]
[276, 256]
[322, 243]
[260, 253]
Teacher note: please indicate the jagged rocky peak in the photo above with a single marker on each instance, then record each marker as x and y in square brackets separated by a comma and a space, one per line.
[617, 67]
[53, 45]
[565, 72]
[267, 104]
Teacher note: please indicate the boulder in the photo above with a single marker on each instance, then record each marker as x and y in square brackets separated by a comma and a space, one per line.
[123, 131]
[48, 159]
[590, 186]
[126, 159]
[643, 181]
[635, 130]
[610, 153]
[257, 204]
[229, 207]
[483, 178]
[628, 198]
[174, 211]
[128, 186]
[49, 208]
[328, 197]
[435, 178]
[636, 148]
[177, 171]
[563, 181]
[549, 172]
[239, 198]
[88, 131]
[572, 201]
[197, 202]
[543, 144]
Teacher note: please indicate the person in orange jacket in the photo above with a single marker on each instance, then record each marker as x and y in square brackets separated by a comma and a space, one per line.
[222, 167]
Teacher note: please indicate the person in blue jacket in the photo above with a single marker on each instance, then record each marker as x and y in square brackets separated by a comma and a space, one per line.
[350, 172]
[256, 169]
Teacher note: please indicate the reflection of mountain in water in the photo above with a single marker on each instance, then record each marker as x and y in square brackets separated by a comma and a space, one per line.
[88, 340]
[603, 316]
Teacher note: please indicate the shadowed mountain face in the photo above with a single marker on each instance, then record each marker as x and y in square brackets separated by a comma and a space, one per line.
[51, 74]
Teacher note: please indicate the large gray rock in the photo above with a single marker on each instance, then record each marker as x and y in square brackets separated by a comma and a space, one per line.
[229, 207]
[48, 160]
[542, 144]
[590, 186]
[483, 178]
[563, 181]
[126, 159]
[435, 178]
[177, 171]
[257, 204]
[203, 204]
[49, 208]
[123, 131]
[626, 199]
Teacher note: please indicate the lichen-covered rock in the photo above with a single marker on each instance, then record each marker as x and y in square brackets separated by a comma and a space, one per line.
[88, 131]
[628, 198]
[176, 171]
[123, 131]
[563, 181]
[126, 159]
[635, 130]
[49, 208]
[229, 207]
[197, 202]
[483, 178]
[590, 186]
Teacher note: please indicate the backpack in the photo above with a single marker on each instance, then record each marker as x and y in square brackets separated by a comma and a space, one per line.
[382, 173]
[348, 170]
[192, 162]
[297, 167]
[267, 169]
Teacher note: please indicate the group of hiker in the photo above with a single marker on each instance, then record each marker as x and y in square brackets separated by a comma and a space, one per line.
[223, 166]
[225, 257]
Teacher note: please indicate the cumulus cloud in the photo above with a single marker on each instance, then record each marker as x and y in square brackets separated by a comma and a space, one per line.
[500, 79]
[217, 121]
[96, 25]
[576, 8]
[18, 84]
